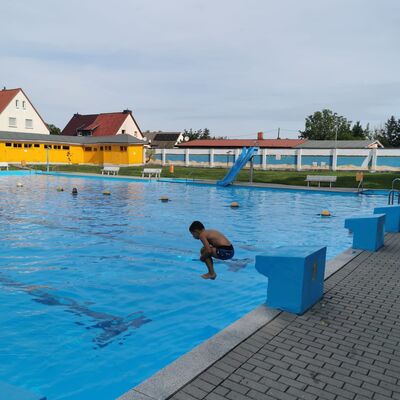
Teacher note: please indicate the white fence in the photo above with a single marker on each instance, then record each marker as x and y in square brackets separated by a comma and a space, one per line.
[294, 159]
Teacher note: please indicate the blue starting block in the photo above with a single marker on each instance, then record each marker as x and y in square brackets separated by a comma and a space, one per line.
[368, 231]
[295, 276]
[11, 392]
[392, 220]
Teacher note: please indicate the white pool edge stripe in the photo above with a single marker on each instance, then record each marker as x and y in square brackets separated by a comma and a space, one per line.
[183, 370]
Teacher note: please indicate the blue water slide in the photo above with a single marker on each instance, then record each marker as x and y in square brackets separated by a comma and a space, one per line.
[242, 160]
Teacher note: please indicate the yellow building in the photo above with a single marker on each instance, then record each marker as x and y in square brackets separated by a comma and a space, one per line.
[29, 148]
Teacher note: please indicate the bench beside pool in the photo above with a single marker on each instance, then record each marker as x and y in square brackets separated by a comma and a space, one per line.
[109, 170]
[320, 178]
[3, 165]
[151, 171]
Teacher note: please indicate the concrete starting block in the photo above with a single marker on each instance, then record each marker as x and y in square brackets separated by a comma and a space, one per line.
[11, 392]
[392, 220]
[295, 276]
[368, 231]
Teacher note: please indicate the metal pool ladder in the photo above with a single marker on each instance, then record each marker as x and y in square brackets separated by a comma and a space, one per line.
[394, 192]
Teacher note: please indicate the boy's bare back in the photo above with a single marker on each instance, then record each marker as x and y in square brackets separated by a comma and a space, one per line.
[215, 238]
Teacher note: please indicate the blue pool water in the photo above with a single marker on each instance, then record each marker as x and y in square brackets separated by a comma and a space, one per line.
[99, 292]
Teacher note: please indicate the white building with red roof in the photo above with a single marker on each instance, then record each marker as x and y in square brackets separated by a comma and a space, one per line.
[105, 124]
[239, 143]
[17, 113]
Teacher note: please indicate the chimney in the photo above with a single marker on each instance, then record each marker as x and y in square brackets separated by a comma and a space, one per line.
[4, 88]
[127, 111]
[260, 136]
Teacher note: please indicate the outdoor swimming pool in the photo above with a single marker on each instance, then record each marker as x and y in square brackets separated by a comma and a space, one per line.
[99, 292]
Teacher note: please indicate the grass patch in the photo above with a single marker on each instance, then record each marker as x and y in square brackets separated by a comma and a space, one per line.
[345, 179]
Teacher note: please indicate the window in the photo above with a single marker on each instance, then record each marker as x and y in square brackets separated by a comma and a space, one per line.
[94, 148]
[122, 148]
[27, 145]
[88, 149]
[16, 104]
[101, 147]
[107, 148]
[12, 122]
[17, 144]
[56, 147]
[28, 124]
[123, 131]
[23, 104]
[36, 145]
[65, 147]
[8, 145]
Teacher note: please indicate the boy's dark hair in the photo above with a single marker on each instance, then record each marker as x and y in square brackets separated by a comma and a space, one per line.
[196, 226]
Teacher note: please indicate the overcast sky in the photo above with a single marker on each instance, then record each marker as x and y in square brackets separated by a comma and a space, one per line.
[234, 66]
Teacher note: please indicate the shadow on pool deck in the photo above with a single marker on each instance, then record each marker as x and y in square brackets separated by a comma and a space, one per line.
[345, 347]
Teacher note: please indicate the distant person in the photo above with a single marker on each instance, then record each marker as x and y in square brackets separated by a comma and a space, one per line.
[74, 191]
[215, 244]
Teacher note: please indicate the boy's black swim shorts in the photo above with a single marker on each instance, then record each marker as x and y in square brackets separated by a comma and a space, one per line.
[225, 252]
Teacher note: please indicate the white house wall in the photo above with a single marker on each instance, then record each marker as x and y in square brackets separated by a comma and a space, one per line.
[287, 159]
[130, 128]
[21, 114]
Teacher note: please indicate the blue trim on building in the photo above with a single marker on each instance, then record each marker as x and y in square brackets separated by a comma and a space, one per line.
[175, 157]
[286, 160]
[355, 161]
[220, 158]
[388, 161]
[200, 158]
[308, 160]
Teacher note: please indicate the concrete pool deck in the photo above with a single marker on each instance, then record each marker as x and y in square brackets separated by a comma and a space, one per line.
[345, 347]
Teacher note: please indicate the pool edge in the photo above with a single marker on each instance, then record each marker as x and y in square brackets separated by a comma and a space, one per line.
[206, 182]
[184, 369]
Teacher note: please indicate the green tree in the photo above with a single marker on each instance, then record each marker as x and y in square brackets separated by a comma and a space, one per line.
[326, 125]
[200, 134]
[357, 131]
[53, 129]
[390, 134]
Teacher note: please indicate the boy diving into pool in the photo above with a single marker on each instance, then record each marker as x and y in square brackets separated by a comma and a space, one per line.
[215, 244]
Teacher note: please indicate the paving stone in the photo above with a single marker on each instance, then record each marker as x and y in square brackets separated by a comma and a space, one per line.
[215, 396]
[222, 391]
[195, 391]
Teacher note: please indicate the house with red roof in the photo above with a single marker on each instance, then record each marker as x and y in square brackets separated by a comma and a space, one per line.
[239, 143]
[18, 114]
[104, 124]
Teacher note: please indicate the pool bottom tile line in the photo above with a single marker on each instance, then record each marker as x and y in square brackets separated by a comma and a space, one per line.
[170, 379]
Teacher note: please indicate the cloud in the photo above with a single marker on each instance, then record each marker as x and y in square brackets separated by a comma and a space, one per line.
[236, 67]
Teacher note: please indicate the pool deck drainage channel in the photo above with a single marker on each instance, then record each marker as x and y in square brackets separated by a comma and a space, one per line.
[177, 375]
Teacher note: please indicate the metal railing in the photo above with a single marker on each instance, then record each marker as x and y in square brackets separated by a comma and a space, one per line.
[393, 193]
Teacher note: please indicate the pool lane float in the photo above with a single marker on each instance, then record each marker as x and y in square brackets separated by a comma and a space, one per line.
[106, 192]
[165, 199]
